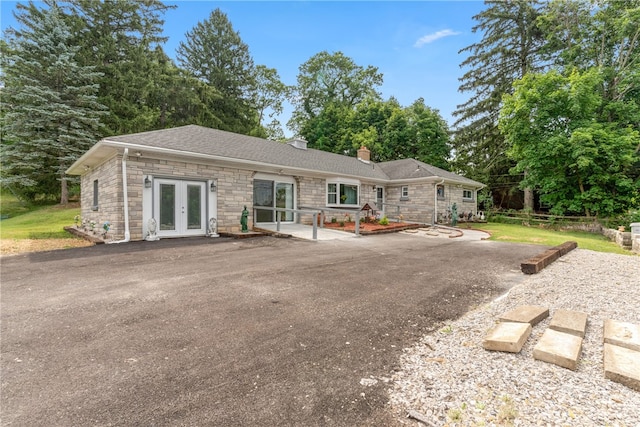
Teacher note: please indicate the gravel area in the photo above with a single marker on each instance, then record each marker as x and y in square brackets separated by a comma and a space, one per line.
[19, 246]
[451, 380]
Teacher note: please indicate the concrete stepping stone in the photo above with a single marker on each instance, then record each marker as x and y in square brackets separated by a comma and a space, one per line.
[558, 348]
[569, 322]
[622, 365]
[531, 314]
[623, 334]
[507, 336]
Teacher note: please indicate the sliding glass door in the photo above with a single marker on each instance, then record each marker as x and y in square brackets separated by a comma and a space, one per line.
[273, 194]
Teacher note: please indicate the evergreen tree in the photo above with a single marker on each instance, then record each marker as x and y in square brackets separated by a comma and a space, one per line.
[119, 38]
[509, 49]
[51, 115]
[181, 99]
[214, 53]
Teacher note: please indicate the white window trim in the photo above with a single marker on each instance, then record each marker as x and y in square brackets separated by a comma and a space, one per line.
[284, 179]
[338, 182]
[467, 199]
[404, 192]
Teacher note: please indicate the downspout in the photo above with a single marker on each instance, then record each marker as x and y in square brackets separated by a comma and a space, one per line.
[435, 201]
[127, 235]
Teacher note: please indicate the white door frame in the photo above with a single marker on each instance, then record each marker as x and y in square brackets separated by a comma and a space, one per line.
[181, 197]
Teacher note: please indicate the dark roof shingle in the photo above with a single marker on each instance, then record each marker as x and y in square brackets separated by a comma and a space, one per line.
[200, 140]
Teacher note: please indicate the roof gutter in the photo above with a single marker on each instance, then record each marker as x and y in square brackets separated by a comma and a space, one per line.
[127, 234]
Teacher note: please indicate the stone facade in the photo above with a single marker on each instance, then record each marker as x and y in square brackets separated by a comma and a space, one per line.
[109, 208]
[419, 205]
[310, 193]
[234, 192]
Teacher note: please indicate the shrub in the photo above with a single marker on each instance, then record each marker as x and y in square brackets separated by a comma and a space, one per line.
[384, 220]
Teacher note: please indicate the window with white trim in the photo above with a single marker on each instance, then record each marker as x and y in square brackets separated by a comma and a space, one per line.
[467, 195]
[332, 194]
[343, 193]
[440, 191]
[404, 192]
[95, 195]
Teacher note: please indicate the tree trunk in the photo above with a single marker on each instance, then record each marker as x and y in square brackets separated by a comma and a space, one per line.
[528, 199]
[64, 191]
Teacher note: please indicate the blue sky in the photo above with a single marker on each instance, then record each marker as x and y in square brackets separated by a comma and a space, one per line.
[414, 44]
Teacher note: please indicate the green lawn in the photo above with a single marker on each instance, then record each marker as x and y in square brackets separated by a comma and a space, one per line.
[47, 222]
[29, 222]
[539, 236]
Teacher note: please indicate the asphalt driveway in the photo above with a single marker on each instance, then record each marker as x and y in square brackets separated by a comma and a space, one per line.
[262, 331]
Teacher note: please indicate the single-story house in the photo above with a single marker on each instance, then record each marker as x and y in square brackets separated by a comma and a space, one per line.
[192, 180]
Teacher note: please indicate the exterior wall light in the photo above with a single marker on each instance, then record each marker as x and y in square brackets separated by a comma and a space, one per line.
[213, 187]
[147, 182]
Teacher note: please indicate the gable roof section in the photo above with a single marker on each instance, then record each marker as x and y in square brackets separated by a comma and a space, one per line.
[409, 169]
[214, 143]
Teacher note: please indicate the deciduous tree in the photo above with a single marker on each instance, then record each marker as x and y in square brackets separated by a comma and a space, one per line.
[580, 162]
[331, 79]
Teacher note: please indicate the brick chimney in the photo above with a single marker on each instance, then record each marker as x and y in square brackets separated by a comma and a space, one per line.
[364, 154]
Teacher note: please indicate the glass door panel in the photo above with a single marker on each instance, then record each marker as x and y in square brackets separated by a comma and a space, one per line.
[284, 199]
[263, 196]
[194, 206]
[167, 207]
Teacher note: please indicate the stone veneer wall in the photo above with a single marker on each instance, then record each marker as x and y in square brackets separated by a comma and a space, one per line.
[109, 176]
[418, 207]
[310, 193]
[455, 196]
[235, 190]
[420, 204]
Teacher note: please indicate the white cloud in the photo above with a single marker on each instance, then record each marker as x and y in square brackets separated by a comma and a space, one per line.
[435, 36]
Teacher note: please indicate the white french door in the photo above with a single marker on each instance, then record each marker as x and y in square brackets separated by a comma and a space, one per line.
[179, 207]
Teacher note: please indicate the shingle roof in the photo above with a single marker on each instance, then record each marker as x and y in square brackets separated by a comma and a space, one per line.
[412, 168]
[214, 142]
[193, 139]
